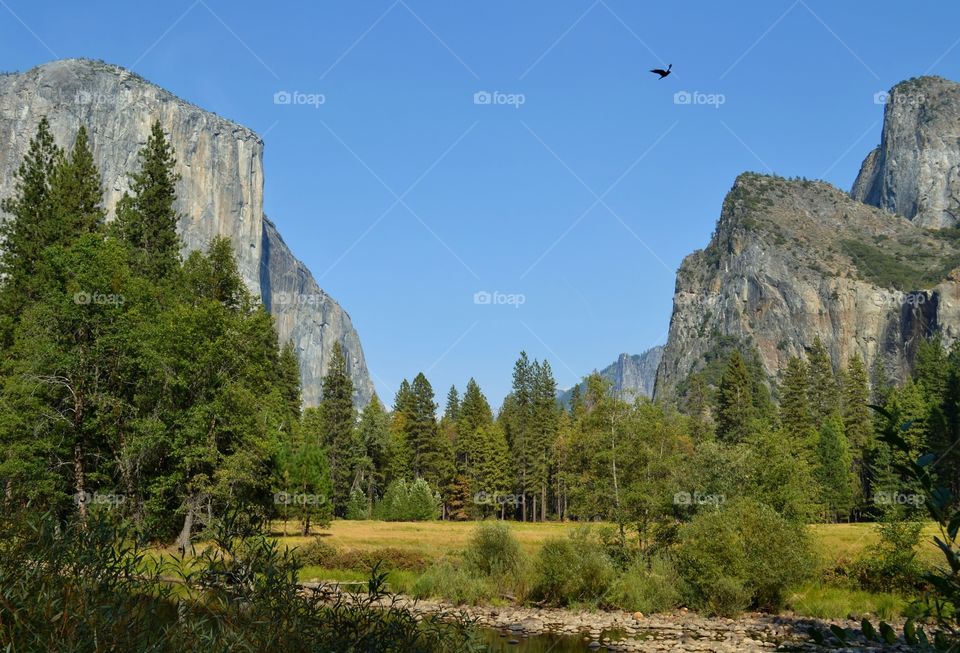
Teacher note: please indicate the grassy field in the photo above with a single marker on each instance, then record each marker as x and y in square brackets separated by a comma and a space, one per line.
[433, 539]
[834, 542]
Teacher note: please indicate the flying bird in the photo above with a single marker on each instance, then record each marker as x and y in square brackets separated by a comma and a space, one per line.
[660, 71]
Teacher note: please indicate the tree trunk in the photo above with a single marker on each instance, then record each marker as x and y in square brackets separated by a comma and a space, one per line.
[306, 525]
[183, 540]
[543, 502]
[80, 479]
[533, 514]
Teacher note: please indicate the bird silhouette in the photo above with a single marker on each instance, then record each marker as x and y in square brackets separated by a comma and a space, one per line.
[660, 71]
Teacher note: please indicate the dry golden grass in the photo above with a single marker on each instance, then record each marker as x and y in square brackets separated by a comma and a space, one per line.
[430, 538]
[845, 542]
[834, 542]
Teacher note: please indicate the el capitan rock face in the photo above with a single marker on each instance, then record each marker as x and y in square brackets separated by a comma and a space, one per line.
[220, 192]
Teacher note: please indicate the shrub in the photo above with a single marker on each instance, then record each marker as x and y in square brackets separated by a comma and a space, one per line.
[357, 506]
[413, 501]
[891, 565]
[647, 586]
[454, 584]
[316, 552]
[494, 551]
[572, 570]
[741, 556]
[322, 554]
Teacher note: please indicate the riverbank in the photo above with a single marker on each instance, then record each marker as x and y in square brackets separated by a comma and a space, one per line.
[682, 630]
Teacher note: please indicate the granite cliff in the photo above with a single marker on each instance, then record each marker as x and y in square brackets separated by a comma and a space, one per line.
[220, 192]
[631, 376]
[915, 171]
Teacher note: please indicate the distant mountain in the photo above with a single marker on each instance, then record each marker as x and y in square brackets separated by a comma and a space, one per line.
[632, 376]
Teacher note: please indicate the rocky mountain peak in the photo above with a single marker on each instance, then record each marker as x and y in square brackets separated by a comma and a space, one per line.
[915, 171]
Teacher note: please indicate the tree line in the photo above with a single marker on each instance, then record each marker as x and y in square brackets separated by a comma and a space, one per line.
[136, 380]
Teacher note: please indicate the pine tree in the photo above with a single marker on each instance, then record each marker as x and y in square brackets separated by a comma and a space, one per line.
[289, 379]
[30, 228]
[931, 369]
[833, 469]
[146, 217]
[452, 410]
[735, 407]
[431, 455]
[545, 421]
[374, 432]
[338, 429]
[857, 422]
[824, 391]
[75, 192]
[519, 426]
[796, 418]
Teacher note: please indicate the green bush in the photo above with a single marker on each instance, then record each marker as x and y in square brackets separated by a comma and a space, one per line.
[408, 501]
[494, 551]
[357, 506]
[322, 554]
[741, 556]
[892, 565]
[316, 552]
[454, 584]
[647, 586]
[572, 570]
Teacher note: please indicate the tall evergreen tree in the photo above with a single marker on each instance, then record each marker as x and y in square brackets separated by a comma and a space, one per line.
[857, 422]
[519, 425]
[545, 416]
[30, 228]
[338, 429]
[146, 217]
[735, 407]
[796, 417]
[452, 410]
[833, 469]
[374, 432]
[75, 192]
[431, 454]
[824, 392]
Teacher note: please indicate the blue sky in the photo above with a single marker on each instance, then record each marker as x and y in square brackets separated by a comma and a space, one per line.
[580, 187]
